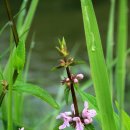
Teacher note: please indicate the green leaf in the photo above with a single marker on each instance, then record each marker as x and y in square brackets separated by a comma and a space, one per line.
[28, 19]
[125, 118]
[19, 56]
[98, 66]
[66, 93]
[77, 62]
[62, 49]
[89, 127]
[36, 91]
[56, 68]
[120, 68]
[57, 124]
[89, 98]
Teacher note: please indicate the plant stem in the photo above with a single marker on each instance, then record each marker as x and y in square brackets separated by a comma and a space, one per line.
[73, 93]
[120, 70]
[15, 73]
[110, 43]
[13, 26]
[2, 97]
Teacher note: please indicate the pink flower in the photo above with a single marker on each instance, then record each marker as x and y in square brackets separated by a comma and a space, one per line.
[72, 109]
[79, 76]
[75, 80]
[88, 114]
[66, 118]
[79, 124]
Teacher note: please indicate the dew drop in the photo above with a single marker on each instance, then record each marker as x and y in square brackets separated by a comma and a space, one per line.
[93, 48]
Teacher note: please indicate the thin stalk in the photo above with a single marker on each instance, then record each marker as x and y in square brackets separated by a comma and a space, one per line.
[14, 30]
[110, 43]
[2, 97]
[29, 58]
[73, 92]
[121, 55]
[9, 110]
[13, 26]
[15, 74]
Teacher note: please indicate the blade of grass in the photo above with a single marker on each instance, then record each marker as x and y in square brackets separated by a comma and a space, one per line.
[18, 98]
[15, 73]
[23, 25]
[4, 27]
[28, 19]
[98, 66]
[29, 58]
[121, 55]
[110, 43]
[21, 16]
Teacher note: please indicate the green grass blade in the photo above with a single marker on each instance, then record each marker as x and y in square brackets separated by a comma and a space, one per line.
[21, 16]
[35, 91]
[121, 54]
[27, 65]
[28, 19]
[98, 66]
[4, 27]
[110, 43]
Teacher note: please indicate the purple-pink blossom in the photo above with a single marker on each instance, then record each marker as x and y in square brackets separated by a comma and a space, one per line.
[79, 76]
[88, 114]
[74, 79]
[79, 122]
[66, 119]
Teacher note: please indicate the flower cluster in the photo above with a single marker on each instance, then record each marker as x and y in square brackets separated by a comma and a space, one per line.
[74, 79]
[78, 122]
[21, 128]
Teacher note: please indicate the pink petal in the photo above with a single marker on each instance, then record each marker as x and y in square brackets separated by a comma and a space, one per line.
[67, 79]
[75, 80]
[79, 76]
[92, 113]
[79, 124]
[58, 117]
[87, 121]
[68, 113]
[72, 108]
[86, 104]
[63, 126]
[85, 113]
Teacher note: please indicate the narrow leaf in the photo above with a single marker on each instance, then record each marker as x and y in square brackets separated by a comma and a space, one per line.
[36, 91]
[125, 118]
[66, 93]
[89, 127]
[19, 56]
[121, 54]
[98, 66]
[29, 18]
[57, 124]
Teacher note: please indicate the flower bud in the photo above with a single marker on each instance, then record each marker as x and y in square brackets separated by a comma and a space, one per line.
[79, 76]
[75, 80]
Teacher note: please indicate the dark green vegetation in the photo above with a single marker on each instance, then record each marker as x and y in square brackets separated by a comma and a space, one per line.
[109, 78]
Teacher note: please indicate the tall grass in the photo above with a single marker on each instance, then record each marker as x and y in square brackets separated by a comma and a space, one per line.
[98, 66]
[10, 73]
[121, 55]
[110, 43]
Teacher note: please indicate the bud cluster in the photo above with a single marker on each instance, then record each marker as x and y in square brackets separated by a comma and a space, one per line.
[74, 79]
